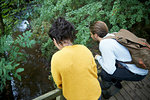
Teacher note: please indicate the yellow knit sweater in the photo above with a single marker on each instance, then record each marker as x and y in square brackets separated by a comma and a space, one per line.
[74, 71]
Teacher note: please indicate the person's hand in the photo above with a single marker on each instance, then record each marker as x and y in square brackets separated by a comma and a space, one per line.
[56, 44]
[96, 56]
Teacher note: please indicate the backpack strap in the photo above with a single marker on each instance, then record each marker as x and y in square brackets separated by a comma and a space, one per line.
[120, 65]
[130, 62]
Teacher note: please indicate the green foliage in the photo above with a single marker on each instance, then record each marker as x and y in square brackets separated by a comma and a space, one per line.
[24, 40]
[116, 13]
[75, 11]
[11, 55]
[47, 47]
[82, 18]
[49, 10]
[5, 69]
[125, 13]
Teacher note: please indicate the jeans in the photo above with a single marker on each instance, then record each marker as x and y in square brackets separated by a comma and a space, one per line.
[121, 74]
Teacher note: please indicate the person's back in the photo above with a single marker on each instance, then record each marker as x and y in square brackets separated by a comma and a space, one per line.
[78, 73]
[112, 51]
[73, 67]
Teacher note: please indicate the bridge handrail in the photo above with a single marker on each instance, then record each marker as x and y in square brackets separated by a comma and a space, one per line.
[57, 93]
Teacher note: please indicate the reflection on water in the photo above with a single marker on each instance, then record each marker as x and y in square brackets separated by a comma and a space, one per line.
[34, 80]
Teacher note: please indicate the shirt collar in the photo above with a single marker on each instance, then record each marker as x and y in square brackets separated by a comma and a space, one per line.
[109, 34]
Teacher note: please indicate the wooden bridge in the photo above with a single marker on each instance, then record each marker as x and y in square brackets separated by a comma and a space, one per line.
[130, 91]
[134, 90]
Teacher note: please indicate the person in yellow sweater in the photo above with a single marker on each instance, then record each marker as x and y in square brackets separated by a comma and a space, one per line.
[73, 67]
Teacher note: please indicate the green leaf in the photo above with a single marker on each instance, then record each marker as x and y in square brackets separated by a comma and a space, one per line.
[1, 63]
[16, 65]
[4, 70]
[19, 77]
[0, 72]
[32, 42]
[19, 70]
[8, 77]
[8, 67]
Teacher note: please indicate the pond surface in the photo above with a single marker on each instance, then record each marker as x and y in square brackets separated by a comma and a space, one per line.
[34, 80]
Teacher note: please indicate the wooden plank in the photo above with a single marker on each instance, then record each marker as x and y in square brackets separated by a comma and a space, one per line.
[146, 84]
[137, 91]
[61, 97]
[112, 98]
[50, 95]
[118, 96]
[125, 94]
[131, 92]
[140, 86]
[143, 84]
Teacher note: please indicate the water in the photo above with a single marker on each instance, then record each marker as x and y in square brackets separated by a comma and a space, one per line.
[35, 80]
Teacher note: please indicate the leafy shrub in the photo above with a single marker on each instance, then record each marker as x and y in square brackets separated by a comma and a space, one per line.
[125, 13]
[10, 56]
[116, 13]
[24, 40]
[82, 18]
[5, 69]
[47, 48]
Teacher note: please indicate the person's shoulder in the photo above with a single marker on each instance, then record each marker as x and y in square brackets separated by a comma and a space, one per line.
[108, 42]
[81, 46]
[56, 55]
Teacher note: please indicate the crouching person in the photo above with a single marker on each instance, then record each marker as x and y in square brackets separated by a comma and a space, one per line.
[113, 54]
[73, 67]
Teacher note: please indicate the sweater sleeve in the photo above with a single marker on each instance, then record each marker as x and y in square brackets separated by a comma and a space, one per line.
[108, 59]
[55, 73]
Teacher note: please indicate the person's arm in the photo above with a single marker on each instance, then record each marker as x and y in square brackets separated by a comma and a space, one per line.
[94, 65]
[108, 59]
[55, 73]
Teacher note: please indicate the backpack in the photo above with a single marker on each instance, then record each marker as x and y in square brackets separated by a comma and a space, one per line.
[138, 48]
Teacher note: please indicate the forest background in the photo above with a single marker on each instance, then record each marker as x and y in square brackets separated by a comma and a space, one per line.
[133, 15]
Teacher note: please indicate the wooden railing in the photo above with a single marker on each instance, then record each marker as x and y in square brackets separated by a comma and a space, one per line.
[54, 94]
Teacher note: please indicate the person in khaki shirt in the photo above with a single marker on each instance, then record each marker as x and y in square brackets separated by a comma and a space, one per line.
[73, 67]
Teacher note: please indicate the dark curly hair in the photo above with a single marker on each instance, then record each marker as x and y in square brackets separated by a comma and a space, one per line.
[61, 30]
